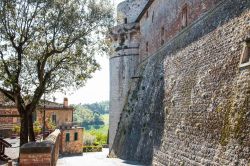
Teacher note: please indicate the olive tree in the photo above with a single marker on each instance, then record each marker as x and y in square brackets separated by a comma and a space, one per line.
[48, 46]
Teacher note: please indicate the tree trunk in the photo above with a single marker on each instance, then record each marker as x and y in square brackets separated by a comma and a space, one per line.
[24, 129]
[31, 130]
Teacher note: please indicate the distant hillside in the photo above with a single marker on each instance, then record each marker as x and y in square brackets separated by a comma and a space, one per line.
[92, 116]
[100, 107]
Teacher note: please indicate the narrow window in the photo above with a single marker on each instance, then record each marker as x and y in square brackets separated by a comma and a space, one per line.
[184, 16]
[245, 57]
[147, 14]
[162, 35]
[125, 20]
[146, 46]
[54, 118]
[67, 137]
[153, 15]
[76, 136]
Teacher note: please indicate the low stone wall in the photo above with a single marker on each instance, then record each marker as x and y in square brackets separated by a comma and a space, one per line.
[43, 153]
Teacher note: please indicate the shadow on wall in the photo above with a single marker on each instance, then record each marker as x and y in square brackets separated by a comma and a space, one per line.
[141, 124]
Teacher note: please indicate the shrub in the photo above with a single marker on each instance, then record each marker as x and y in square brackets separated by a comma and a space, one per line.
[88, 139]
[92, 149]
[16, 129]
[37, 127]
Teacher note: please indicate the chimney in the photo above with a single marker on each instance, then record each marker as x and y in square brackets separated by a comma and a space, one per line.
[65, 102]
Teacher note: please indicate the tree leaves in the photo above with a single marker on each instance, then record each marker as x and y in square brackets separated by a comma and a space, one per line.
[50, 44]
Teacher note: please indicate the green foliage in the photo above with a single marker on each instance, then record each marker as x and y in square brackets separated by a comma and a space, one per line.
[87, 118]
[100, 107]
[92, 116]
[16, 129]
[88, 139]
[100, 134]
[50, 124]
[95, 120]
[92, 148]
[37, 127]
[49, 46]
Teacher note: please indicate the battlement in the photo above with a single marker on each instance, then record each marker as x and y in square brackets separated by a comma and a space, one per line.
[125, 39]
[129, 10]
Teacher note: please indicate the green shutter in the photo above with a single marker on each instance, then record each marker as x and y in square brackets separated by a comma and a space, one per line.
[67, 137]
[76, 136]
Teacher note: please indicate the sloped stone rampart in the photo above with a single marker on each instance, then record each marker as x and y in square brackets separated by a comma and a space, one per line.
[193, 108]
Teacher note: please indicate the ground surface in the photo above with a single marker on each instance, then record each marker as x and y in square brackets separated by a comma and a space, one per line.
[86, 159]
[12, 152]
[93, 159]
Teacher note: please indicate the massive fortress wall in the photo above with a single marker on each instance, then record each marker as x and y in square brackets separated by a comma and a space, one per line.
[124, 60]
[189, 101]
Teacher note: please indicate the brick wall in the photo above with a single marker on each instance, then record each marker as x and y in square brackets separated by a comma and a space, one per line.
[167, 14]
[43, 153]
[62, 115]
[71, 146]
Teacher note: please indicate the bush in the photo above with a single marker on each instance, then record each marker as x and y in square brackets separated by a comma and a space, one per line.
[92, 149]
[16, 129]
[37, 127]
[88, 139]
[101, 138]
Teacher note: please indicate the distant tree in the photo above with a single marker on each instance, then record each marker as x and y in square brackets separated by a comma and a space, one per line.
[48, 46]
[99, 107]
[87, 117]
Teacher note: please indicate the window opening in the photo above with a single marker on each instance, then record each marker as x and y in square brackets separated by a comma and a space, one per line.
[184, 16]
[54, 118]
[162, 35]
[245, 57]
[67, 137]
[153, 15]
[76, 136]
[125, 20]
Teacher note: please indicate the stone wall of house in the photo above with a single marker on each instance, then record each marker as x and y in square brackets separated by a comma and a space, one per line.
[189, 103]
[44, 153]
[62, 115]
[72, 146]
[9, 117]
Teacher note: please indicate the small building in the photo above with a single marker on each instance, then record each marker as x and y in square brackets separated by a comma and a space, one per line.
[56, 113]
[71, 139]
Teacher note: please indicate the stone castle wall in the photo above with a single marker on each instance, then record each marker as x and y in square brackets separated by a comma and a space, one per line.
[189, 103]
[207, 101]
[163, 21]
[123, 64]
[129, 9]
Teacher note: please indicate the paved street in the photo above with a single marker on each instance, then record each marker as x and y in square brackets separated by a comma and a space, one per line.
[12, 152]
[93, 159]
[86, 159]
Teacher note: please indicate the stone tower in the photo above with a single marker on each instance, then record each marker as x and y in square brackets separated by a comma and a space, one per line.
[124, 60]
